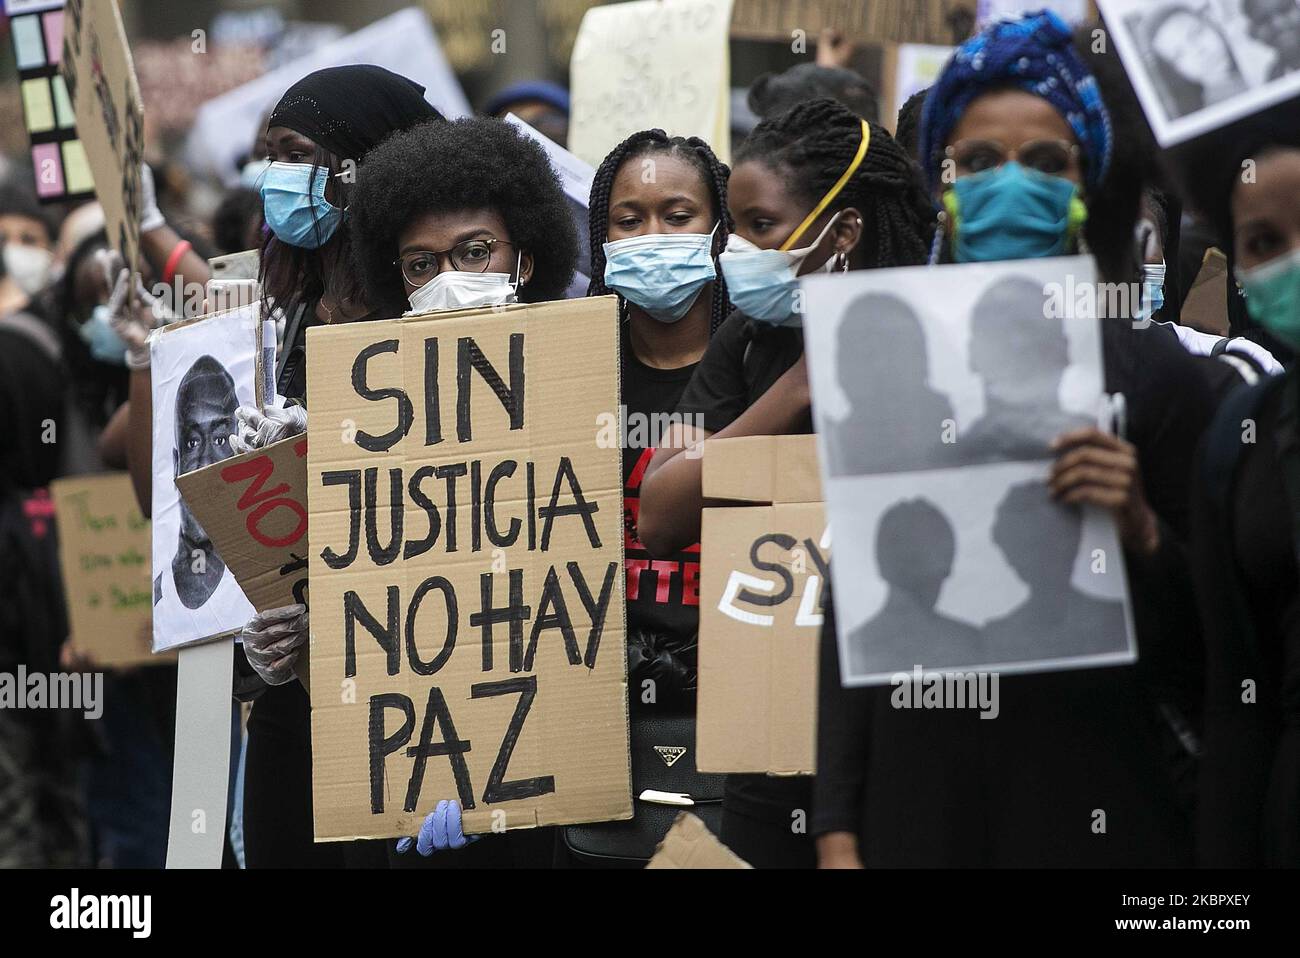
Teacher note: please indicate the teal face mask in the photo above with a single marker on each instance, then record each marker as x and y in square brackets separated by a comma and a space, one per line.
[1273, 296]
[1012, 213]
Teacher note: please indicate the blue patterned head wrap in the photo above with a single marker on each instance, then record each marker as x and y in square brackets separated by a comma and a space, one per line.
[1031, 52]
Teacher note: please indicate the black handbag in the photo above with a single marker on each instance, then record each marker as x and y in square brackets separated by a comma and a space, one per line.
[665, 782]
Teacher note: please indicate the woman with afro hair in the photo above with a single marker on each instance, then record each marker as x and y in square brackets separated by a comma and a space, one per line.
[461, 214]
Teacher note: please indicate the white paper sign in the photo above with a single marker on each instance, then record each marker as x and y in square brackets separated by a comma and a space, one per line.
[936, 393]
[575, 176]
[202, 372]
[1198, 65]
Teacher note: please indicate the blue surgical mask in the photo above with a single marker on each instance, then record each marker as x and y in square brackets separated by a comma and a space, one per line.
[661, 273]
[1153, 289]
[1012, 213]
[761, 283]
[104, 342]
[293, 200]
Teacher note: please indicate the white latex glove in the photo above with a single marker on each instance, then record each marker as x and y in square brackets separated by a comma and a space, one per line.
[151, 217]
[272, 641]
[132, 322]
[1203, 344]
[259, 429]
[1248, 347]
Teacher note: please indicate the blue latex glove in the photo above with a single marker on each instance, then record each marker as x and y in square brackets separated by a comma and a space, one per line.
[441, 830]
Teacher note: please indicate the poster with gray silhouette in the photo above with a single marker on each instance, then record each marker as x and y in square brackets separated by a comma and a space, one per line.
[202, 372]
[936, 394]
[1201, 64]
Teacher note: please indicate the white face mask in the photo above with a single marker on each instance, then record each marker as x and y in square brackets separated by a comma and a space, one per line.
[29, 266]
[453, 289]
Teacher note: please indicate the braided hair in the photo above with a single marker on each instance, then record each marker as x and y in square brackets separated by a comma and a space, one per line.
[811, 146]
[692, 150]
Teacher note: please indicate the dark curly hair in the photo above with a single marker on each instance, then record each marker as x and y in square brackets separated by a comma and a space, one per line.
[812, 145]
[473, 163]
[651, 143]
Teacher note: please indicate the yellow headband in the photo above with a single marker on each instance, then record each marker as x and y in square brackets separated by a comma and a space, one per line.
[829, 198]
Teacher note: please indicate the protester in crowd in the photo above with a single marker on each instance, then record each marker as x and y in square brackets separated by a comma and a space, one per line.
[493, 227]
[42, 825]
[1042, 167]
[541, 104]
[27, 241]
[654, 243]
[816, 189]
[775, 93]
[909, 122]
[323, 127]
[1246, 513]
[1157, 246]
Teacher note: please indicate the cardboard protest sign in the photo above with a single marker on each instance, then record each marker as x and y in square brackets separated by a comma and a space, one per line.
[936, 394]
[1198, 67]
[203, 370]
[105, 96]
[878, 21]
[766, 552]
[690, 844]
[104, 557]
[575, 176]
[254, 509]
[1206, 306]
[468, 612]
[651, 63]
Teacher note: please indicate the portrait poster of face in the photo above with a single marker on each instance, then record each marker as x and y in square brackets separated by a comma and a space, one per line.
[1198, 65]
[202, 372]
[936, 394]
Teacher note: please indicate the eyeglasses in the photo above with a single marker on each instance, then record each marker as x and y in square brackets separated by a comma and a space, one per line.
[1053, 157]
[468, 256]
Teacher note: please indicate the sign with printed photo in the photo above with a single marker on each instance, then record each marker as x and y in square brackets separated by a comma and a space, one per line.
[937, 392]
[1198, 65]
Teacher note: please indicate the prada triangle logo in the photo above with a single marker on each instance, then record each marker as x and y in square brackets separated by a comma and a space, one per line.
[670, 753]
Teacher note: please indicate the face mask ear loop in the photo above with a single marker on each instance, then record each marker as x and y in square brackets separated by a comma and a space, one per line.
[940, 229]
[519, 272]
[835, 191]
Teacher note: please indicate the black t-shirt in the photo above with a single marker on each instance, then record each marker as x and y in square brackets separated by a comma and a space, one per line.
[742, 362]
[663, 594]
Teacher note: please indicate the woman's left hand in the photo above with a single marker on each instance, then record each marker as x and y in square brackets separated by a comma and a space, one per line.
[1095, 468]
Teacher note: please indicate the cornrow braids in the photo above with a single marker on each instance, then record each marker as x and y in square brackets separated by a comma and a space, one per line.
[649, 143]
[812, 144]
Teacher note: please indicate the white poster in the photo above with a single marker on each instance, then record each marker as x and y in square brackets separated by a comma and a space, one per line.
[936, 394]
[651, 64]
[1071, 11]
[202, 372]
[404, 42]
[1201, 64]
[575, 175]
